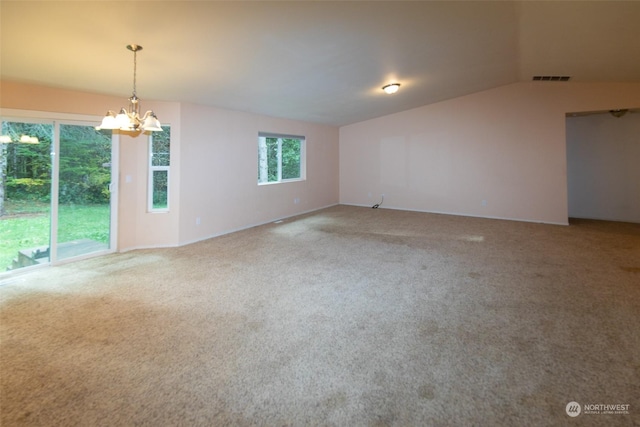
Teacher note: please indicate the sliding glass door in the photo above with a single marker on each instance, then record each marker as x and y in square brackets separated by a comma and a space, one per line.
[55, 198]
[25, 194]
[84, 199]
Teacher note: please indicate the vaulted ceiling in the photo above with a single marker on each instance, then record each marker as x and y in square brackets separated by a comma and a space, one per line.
[318, 61]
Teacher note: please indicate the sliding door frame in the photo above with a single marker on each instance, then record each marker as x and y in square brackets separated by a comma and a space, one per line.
[57, 119]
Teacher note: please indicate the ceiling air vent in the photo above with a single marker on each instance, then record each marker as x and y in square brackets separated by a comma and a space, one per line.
[551, 78]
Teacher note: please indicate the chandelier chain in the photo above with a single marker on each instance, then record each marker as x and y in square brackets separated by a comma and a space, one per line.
[134, 72]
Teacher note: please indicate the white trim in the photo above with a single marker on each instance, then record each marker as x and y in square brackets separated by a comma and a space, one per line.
[12, 276]
[279, 158]
[235, 230]
[303, 160]
[603, 219]
[49, 115]
[150, 172]
[501, 218]
[82, 257]
[8, 277]
[114, 190]
[302, 157]
[54, 193]
[280, 135]
[284, 181]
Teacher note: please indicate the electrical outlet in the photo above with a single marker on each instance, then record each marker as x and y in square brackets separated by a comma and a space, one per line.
[197, 220]
[296, 200]
[484, 203]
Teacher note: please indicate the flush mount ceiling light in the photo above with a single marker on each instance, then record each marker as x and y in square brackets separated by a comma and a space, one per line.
[391, 88]
[131, 120]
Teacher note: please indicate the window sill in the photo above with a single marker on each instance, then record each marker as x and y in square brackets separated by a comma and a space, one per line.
[281, 182]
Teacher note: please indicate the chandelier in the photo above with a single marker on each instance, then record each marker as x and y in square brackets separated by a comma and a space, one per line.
[130, 120]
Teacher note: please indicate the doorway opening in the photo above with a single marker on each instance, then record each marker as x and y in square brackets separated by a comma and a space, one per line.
[603, 178]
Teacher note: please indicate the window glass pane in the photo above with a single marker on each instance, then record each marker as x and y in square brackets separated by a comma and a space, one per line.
[161, 147]
[160, 159]
[290, 158]
[262, 160]
[272, 159]
[160, 187]
[279, 158]
[84, 199]
[25, 190]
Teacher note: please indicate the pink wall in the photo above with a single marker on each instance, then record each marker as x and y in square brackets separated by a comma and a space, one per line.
[213, 167]
[23, 96]
[219, 181]
[499, 153]
[136, 227]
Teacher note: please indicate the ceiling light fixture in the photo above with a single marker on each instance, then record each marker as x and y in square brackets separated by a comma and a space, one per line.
[618, 113]
[391, 88]
[131, 120]
[24, 139]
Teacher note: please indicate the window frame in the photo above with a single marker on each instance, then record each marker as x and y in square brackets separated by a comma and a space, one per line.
[158, 168]
[302, 159]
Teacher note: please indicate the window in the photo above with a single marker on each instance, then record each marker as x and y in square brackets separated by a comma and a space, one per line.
[280, 158]
[159, 160]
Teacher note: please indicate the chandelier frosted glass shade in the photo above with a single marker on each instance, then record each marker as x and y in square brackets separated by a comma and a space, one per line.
[130, 120]
[127, 121]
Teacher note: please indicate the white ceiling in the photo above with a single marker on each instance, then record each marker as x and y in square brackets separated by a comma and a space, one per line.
[317, 61]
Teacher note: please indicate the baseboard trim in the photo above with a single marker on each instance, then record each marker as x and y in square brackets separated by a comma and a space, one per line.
[463, 214]
[235, 230]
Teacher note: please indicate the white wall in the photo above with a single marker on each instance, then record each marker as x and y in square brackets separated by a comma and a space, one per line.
[499, 153]
[603, 167]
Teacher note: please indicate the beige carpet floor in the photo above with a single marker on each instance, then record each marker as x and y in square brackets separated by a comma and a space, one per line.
[348, 316]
